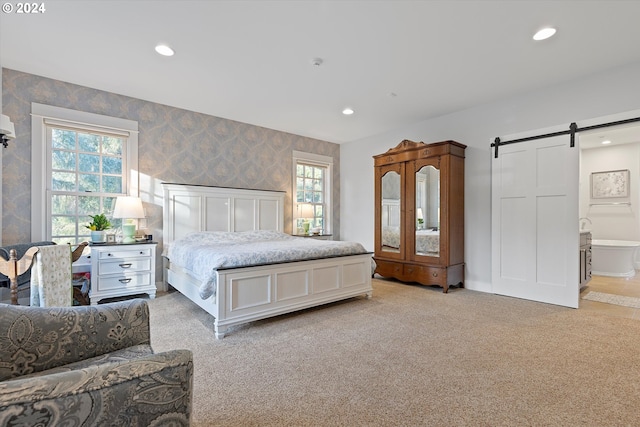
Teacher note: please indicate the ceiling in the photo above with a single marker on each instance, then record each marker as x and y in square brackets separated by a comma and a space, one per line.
[395, 62]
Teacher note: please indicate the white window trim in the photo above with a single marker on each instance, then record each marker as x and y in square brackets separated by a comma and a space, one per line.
[41, 113]
[319, 160]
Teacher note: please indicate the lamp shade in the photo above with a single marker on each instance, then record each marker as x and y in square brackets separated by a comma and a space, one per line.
[6, 127]
[419, 214]
[128, 207]
[306, 210]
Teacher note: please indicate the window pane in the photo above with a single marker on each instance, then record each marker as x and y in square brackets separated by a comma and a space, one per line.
[63, 181]
[308, 171]
[88, 182]
[63, 226]
[88, 142]
[112, 165]
[112, 145]
[299, 170]
[88, 205]
[108, 204]
[89, 163]
[300, 196]
[63, 139]
[63, 205]
[318, 173]
[65, 160]
[112, 184]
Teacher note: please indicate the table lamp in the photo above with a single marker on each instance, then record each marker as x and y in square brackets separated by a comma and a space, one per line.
[306, 212]
[128, 208]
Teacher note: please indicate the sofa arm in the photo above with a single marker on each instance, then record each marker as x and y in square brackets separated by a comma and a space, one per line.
[35, 339]
[152, 390]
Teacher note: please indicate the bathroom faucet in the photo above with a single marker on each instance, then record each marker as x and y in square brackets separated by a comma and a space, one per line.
[582, 224]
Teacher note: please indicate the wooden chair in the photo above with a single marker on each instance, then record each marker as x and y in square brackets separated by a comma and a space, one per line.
[14, 267]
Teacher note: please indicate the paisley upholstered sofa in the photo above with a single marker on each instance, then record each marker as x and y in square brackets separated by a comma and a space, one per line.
[89, 366]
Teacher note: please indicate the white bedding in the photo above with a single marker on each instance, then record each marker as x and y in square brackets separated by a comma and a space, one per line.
[427, 241]
[201, 254]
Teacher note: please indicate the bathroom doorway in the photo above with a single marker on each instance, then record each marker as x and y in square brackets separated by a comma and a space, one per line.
[611, 218]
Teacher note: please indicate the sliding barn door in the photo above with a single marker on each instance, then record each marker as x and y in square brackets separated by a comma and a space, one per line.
[535, 238]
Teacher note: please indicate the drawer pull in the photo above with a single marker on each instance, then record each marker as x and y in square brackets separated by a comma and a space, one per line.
[434, 274]
[127, 280]
[127, 265]
[410, 270]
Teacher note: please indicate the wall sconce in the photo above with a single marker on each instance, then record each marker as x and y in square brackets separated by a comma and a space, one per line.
[7, 130]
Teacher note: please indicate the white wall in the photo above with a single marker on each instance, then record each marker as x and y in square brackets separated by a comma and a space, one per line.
[604, 94]
[617, 222]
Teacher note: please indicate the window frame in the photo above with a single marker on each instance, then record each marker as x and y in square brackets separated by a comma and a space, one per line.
[300, 157]
[46, 115]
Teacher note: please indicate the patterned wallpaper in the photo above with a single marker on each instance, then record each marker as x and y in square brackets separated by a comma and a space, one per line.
[175, 145]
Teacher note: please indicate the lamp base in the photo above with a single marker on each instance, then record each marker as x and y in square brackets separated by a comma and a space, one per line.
[128, 231]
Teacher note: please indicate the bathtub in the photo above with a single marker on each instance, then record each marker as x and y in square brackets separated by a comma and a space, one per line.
[614, 258]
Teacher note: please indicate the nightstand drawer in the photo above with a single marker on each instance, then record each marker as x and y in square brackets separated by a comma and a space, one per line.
[124, 253]
[124, 265]
[124, 281]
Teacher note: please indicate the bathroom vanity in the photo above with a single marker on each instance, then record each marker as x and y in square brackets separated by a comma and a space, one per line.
[585, 258]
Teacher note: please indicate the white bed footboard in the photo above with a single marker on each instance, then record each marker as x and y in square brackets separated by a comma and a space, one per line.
[253, 293]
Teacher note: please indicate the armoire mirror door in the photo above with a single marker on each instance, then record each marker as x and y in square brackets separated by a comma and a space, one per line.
[424, 182]
[427, 211]
[389, 194]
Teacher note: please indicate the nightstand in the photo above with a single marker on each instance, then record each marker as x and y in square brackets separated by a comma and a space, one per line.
[119, 269]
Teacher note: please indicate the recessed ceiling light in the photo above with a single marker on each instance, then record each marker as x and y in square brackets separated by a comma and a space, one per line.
[606, 142]
[544, 33]
[164, 50]
[348, 111]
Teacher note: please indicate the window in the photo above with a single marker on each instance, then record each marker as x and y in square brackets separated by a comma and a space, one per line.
[83, 162]
[312, 192]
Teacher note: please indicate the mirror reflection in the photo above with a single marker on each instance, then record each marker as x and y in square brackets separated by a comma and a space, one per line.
[391, 212]
[428, 211]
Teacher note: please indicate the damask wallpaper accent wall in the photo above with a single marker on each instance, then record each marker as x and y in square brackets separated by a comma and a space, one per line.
[175, 145]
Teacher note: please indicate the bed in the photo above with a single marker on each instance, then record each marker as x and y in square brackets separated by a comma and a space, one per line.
[427, 240]
[234, 293]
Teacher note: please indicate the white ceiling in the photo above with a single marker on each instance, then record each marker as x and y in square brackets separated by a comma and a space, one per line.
[250, 61]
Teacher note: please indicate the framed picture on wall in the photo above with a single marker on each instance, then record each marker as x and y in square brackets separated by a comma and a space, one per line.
[610, 184]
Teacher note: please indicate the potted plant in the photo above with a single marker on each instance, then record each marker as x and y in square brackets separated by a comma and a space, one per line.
[99, 223]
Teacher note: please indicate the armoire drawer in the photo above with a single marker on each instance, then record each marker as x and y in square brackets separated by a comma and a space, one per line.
[389, 268]
[426, 274]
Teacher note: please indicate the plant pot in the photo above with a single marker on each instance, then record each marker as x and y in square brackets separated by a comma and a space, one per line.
[98, 236]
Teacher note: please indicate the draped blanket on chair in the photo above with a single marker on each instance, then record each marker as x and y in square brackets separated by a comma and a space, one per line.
[51, 277]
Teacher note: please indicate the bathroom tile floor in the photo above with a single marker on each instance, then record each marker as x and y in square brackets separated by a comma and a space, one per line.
[613, 285]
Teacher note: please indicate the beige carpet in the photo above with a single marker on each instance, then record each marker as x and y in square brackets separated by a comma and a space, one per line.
[411, 356]
[613, 299]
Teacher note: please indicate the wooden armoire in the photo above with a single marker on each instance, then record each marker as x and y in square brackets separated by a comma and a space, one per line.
[419, 213]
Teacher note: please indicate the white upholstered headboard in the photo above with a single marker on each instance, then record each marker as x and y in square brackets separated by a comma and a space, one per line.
[189, 208]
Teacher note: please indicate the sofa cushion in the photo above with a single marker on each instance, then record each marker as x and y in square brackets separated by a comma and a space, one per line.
[129, 353]
[33, 339]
